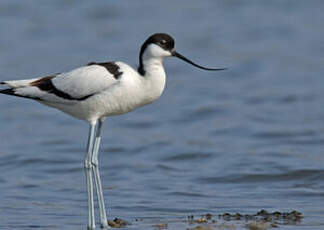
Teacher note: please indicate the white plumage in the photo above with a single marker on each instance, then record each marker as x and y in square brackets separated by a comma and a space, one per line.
[98, 90]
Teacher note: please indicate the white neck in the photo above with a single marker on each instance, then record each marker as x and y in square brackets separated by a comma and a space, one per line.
[152, 71]
[154, 78]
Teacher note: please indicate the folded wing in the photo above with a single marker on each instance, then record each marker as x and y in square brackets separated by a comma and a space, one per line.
[70, 87]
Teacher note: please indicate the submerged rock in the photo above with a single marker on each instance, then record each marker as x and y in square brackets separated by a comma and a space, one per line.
[258, 225]
[117, 223]
[160, 226]
[261, 220]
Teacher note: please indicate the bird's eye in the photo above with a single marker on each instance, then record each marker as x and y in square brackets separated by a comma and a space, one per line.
[163, 42]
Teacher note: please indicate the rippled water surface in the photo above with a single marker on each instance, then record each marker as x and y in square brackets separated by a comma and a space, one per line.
[245, 139]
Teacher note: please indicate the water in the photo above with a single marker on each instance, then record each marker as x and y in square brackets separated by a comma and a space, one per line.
[245, 139]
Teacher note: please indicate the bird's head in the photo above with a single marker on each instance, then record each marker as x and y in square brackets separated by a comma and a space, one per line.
[160, 46]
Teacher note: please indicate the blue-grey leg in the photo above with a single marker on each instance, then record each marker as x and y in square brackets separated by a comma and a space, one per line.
[95, 163]
[88, 170]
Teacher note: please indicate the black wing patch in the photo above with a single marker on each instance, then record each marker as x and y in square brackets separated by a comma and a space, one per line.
[46, 84]
[111, 67]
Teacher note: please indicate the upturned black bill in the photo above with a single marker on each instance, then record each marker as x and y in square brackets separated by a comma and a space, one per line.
[176, 54]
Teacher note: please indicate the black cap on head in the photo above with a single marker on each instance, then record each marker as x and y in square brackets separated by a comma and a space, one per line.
[163, 40]
[166, 42]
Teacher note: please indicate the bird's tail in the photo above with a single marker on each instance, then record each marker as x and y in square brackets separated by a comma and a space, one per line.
[8, 91]
[16, 87]
[18, 83]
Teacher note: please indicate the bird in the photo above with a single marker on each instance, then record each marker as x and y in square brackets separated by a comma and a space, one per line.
[98, 90]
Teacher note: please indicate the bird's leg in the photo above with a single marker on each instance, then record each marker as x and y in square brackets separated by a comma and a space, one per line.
[95, 168]
[88, 166]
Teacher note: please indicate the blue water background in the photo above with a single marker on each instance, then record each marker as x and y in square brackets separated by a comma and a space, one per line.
[245, 139]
